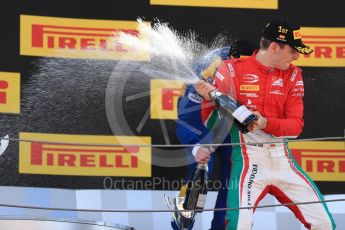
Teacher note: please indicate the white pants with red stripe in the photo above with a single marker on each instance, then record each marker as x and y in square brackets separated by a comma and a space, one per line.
[271, 169]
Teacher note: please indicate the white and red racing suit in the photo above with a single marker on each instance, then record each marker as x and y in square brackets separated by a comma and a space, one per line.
[267, 168]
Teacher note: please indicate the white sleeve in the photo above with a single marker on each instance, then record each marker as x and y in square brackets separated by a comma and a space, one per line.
[196, 148]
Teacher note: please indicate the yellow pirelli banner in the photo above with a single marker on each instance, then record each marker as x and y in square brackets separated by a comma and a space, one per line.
[323, 160]
[9, 92]
[164, 95]
[262, 4]
[78, 38]
[84, 155]
[328, 45]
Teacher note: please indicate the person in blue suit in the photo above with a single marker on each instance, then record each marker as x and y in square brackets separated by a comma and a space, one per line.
[191, 130]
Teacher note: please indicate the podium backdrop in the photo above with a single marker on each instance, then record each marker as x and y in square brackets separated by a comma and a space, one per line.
[55, 70]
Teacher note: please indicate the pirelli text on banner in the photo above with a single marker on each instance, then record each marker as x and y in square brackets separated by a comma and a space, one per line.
[323, 161]
[164, 95]
[262, 4]
[73, 157]
[9, 92]
[328, 45]
[77, 38]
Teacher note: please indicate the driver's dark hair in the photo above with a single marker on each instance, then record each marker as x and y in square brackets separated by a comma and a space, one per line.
[265, 43]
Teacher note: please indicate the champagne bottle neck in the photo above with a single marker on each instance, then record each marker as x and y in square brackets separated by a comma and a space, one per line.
[214, 93]
[202, 166]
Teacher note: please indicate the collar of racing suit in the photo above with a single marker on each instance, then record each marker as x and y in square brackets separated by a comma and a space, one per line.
[260, 66]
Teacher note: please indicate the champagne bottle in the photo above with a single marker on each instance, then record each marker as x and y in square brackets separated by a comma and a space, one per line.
[228, 106]
[197, 189]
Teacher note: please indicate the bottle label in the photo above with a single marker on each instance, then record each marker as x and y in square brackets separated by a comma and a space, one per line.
[201, 201]
[241, 113]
